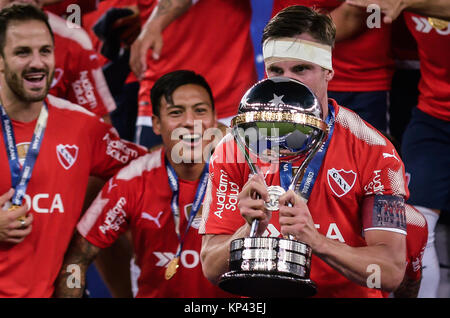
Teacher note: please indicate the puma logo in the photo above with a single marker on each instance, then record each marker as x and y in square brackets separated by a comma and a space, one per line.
[388, 155]
[147, 216]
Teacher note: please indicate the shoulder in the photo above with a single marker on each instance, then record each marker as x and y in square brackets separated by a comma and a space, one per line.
[357, 127]
[65, 105]
[69, 31]
[141, 165]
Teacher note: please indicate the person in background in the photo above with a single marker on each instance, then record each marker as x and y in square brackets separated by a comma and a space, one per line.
[210, 37]
[51, 147]
[159, 198]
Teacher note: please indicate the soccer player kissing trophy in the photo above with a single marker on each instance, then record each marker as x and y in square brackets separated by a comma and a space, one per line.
[279, 121]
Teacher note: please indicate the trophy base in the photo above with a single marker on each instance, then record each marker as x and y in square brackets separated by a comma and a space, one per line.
[266, 285]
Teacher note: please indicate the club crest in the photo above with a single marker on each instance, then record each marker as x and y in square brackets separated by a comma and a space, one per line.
[67, 155]
[341, 181]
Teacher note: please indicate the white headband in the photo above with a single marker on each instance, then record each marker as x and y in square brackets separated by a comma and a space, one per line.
[275, 50]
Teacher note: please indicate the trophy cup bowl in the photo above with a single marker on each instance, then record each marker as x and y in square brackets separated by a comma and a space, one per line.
[280, 120]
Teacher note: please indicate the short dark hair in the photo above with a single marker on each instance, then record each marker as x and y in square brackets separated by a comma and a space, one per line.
[168, 83]
[295, 20]
[20, 12]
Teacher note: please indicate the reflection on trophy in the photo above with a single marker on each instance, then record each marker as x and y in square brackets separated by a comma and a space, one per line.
[279, 120]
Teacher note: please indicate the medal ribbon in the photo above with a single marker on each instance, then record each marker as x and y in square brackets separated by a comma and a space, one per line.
[312, 170]
[21, 177]
[198, 199]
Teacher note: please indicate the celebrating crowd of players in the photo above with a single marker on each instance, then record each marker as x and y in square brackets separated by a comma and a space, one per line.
[190, 63]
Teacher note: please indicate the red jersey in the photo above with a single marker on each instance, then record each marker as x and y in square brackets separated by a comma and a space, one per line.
[357, 65]
[354, 166]
[139, 198]
[76, 144]
[78, 75]
[434, 54]
[416, 241]
[62, 8]
[91, 18]
[213, 39]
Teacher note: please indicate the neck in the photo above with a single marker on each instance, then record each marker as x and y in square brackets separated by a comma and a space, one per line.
[188, 171]
[20, 110]
[324, 103]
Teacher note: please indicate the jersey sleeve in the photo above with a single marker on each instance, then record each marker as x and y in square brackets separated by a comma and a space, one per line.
[384, 187]
[109, 152]
[87, 85]
[109, 214]
[220, 212]
[384, 171]
[416, 241]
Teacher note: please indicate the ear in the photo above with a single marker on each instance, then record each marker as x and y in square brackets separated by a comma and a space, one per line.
[156, 122]
[329, 75]
[2, 64]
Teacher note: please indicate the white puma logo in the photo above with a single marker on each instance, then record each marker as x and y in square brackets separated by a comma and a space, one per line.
[388, 155]
[147, 216]
[111, 185]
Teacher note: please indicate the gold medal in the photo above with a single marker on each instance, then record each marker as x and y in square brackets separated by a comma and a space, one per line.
[14, 207]
[172, 268]
[438, 24]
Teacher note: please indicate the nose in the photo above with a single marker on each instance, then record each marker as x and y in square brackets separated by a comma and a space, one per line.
[189, 118]
[37, 61]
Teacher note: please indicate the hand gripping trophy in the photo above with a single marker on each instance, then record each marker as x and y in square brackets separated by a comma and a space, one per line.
[279, 120]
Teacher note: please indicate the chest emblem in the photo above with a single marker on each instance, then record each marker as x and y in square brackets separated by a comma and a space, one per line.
[341, 181]
[67, 155]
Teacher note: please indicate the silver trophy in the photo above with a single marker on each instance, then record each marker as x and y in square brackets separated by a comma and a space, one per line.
[279, 120]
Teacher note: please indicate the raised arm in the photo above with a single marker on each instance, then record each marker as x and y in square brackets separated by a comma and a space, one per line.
[392, 8]
[71, 280]
[165, 12]
[350, 21]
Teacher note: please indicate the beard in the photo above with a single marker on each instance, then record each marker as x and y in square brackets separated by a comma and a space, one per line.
[16, 85]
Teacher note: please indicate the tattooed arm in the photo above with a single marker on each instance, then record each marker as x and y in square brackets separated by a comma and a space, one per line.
[72, 277]
[165, 12]
[409, 288]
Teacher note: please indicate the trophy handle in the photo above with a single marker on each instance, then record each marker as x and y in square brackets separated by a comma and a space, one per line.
[253, 168]
[254, 227]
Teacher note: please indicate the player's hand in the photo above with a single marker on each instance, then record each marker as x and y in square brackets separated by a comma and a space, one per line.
[295, 219]
[11, 229]
[251, 203]
[390, 8]
[149, 38]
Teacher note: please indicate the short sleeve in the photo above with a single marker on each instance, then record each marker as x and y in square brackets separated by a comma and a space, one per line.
[109, 152]
[109, 214]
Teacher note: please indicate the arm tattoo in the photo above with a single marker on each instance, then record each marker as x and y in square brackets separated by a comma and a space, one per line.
[72, 276]
[175, 9]
[408, 288]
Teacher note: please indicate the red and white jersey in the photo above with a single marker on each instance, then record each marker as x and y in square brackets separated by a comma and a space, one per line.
[357, 65]
[62, 7]
[213, 39]
[434, 54]
[138, 198]
[76, 144]
[416, 241]
[78, 74]
[359, 162]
